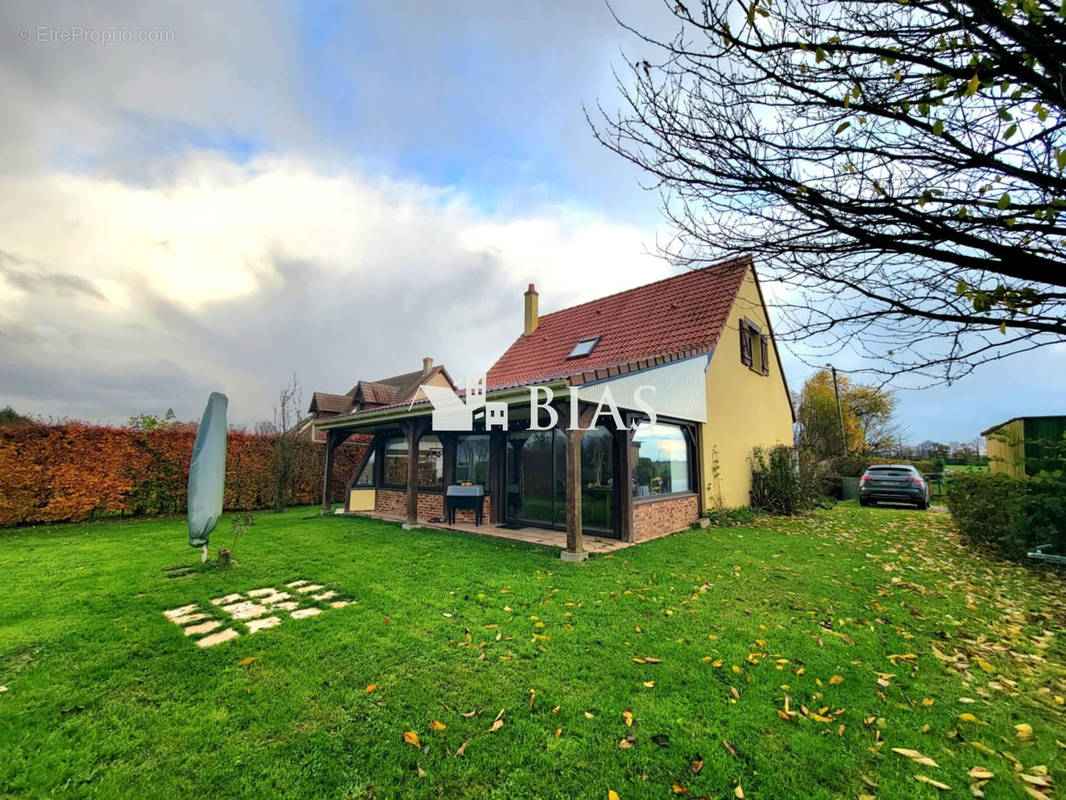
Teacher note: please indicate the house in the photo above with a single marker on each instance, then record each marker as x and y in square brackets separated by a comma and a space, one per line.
[696, 350]
[1018, 446]
[365, 395]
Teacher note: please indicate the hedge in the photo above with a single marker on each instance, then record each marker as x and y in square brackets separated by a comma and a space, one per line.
[1010, 515]
[74, 471]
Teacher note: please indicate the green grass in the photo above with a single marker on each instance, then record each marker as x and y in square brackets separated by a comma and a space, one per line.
[965, 468]
[107, 698]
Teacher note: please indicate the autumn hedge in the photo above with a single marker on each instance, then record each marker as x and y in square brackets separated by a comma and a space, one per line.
[74, 471]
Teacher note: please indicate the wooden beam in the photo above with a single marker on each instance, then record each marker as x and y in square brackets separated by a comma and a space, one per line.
[333, 438]
[624, 447]
[575, 548]
[411, 434]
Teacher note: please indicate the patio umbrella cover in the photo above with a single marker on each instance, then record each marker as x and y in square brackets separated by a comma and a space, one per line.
[207, 471]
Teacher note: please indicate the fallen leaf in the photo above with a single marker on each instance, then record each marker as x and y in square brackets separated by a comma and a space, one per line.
[968, 717]
[732, 750]
[412, 738]
[981, 773]
[649, 684]
[496, 726]
[589, 715]
[697, 765]
[918, 757]
[372, 687]
[1036, 780]
[738, 793]
[650, 660]
[612, 795]
[836, 679]
[677, 788]
[1024, 731]
[244, 662]
[462, 748]
[437, 725]
[625, 744]
[469, 714]
[935, 784]
[556, 709]
[558, 732]
[421, 772]
[1039, 795]
[628, 717]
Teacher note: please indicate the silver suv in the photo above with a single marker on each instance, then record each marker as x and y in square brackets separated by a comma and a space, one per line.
[893, 483]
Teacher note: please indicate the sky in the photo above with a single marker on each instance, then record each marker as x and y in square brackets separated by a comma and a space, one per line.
[199, 197]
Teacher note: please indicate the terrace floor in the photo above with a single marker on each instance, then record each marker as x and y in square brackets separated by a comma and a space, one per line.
[529, 534]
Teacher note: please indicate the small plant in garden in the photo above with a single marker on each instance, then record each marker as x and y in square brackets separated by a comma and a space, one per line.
[785, 480]
[239, 525]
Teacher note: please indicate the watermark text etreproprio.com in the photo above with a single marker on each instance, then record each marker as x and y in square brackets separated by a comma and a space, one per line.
[74, 34]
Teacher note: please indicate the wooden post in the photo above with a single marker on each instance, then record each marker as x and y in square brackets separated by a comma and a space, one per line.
[575, 549]
[412, 474]
[498, 476]
[624, 441]
[331, 446]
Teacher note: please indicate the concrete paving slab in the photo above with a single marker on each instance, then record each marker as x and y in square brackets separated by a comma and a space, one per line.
[303, 613]
[217, 638]
[262, 624]
[181, 611]
[203, 627]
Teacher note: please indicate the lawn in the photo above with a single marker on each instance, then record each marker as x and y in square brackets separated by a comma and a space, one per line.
[780, 660]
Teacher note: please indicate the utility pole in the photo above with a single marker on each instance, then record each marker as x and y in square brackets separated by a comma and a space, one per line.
[840, 412]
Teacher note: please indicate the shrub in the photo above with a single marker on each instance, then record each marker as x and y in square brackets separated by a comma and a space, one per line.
[731, 517]
[785, 481]
[849, 466]
[1011, 515]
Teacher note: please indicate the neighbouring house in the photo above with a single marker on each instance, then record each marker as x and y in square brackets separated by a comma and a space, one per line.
[404, 388]
[702, 340]
[1019, 446]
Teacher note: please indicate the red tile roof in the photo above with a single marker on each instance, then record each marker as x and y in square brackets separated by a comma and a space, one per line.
[664, 321]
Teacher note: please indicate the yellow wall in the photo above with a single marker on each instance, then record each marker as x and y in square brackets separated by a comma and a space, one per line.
[745, 409]
[1006, 448]
[361, 500]
[436, 380]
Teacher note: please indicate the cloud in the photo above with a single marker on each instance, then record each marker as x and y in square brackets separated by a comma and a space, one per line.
[34, 278]
[231, 275]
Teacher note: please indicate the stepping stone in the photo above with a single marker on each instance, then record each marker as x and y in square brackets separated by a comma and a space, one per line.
[288, 605]
[262, 624]
[275, 598]
[203, 627]
[325, 595]
[229, 598]
[181, 612]
[265, 592]
[185, 620]
[314, 587]
[306, 612]
[294, 584]
[217, 638]
[245, 610]
[340, 603]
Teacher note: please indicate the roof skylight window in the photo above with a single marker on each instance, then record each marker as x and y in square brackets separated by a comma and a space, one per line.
[584, 347]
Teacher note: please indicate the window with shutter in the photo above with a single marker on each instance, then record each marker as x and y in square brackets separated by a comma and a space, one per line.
[745, 344]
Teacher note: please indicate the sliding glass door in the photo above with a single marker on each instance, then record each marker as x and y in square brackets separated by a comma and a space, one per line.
[536, 480]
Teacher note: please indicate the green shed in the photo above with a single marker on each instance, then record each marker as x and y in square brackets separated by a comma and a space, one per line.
[1022, 445]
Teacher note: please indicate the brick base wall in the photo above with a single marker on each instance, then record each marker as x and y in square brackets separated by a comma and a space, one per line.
[653, 518]
[430, 506]
[390, 501]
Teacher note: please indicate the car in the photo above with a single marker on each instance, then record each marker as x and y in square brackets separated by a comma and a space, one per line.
[893, 483]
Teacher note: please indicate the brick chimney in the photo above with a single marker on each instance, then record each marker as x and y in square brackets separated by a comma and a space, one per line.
[532, 313]
[427, 364]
